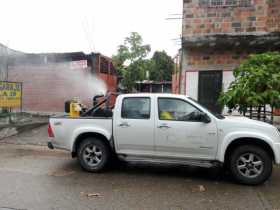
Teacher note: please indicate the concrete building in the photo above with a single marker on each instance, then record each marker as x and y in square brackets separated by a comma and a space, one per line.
[217, 35]
[49, 79]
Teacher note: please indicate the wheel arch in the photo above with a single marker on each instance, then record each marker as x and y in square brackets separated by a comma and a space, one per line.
[86, 135]
[248, 141]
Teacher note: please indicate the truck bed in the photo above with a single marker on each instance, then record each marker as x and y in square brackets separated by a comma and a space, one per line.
[67, 129]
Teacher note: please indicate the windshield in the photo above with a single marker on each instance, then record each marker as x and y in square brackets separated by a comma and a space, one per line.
[217, 115]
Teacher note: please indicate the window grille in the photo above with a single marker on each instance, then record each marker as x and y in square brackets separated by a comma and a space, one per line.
[231, 2]
[104, 65]
[225, 3]
[215, 3]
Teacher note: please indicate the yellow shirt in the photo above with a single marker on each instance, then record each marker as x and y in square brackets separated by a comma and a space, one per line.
[166, 116]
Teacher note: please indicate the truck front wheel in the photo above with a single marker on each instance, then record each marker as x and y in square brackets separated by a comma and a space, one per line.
[250, 165]
[93, 154]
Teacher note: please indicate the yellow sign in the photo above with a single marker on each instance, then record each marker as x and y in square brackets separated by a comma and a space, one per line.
[10, 94]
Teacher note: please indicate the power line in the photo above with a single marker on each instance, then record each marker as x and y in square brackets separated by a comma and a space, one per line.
[88, 35]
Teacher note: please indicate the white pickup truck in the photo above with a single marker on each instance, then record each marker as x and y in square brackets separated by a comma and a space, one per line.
[171, 129]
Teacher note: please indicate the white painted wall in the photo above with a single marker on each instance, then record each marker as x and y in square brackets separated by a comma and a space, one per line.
[227, 79]
[192, 84]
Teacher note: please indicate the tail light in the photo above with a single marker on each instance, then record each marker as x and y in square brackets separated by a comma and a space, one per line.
[50, 131]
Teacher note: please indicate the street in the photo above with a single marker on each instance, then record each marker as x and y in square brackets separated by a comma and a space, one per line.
[32, 177]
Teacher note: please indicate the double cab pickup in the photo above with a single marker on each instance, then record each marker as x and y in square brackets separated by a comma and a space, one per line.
[169, 129]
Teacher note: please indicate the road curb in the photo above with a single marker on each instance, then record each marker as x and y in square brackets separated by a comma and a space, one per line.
[12, 130]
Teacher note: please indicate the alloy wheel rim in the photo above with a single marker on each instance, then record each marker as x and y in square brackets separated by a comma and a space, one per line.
[250, 165]
[92, 155]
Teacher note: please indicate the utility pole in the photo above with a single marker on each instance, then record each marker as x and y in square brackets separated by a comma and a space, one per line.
[6, 65]
[4, 62]
[4, 55]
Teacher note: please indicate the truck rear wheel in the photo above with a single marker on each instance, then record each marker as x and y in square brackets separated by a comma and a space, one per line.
[93, 154]
[250, 165]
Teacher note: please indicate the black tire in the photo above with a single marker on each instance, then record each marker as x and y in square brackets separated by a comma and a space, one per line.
[93, 162]
[250, 172]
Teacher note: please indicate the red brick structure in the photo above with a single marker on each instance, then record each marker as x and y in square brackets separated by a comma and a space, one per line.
[51, 79]
[217, 36]
[273, 20]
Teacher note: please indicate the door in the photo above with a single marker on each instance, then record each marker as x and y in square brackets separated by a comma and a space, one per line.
[209, 89]
[181, 134]
[134, 127]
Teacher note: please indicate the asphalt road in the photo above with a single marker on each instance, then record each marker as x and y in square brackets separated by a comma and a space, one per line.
[35, 178]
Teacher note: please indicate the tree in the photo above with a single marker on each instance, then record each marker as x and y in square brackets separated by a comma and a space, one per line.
[257, 82]
[130, 60]
[162, 67]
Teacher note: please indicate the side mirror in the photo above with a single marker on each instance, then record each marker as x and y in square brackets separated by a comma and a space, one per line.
[205, 118]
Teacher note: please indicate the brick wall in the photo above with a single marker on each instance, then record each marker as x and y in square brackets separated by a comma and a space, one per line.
[207, 60]
[200, 58]
[273, 22]
[219, 37]
[202, 19]
[110, 81]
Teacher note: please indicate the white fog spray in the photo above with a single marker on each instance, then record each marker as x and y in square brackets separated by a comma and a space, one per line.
[81, 83]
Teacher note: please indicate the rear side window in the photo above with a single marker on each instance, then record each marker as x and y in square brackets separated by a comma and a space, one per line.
[136, 108]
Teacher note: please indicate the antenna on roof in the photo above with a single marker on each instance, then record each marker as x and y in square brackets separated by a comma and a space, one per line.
[89, 35]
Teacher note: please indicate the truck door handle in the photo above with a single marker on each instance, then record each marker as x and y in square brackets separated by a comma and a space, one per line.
[57, 123]
[164, 126]
[124, 125]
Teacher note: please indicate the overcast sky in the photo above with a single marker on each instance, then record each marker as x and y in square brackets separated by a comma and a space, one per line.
[85, 25]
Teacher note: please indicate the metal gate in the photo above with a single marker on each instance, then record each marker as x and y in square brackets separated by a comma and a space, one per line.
[209, 89]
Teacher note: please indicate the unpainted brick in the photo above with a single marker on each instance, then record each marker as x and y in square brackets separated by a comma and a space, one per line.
[261, 16]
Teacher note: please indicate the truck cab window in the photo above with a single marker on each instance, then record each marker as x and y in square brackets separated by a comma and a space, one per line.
[136, 108]
[177, 110]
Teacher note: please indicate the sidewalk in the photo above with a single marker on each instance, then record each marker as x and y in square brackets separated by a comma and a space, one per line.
[15, 123]
[35, 136]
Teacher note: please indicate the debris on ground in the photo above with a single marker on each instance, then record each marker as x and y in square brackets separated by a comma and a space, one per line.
[89, 195]
[199, 188]
[202, 188]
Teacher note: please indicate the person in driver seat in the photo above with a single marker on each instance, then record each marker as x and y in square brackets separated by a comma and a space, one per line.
[166, 116]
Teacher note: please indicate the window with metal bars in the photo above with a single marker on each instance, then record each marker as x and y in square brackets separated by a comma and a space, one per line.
[245, 3]
[225, 3]
[231, 2]
[104, 65]
[215, 3]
